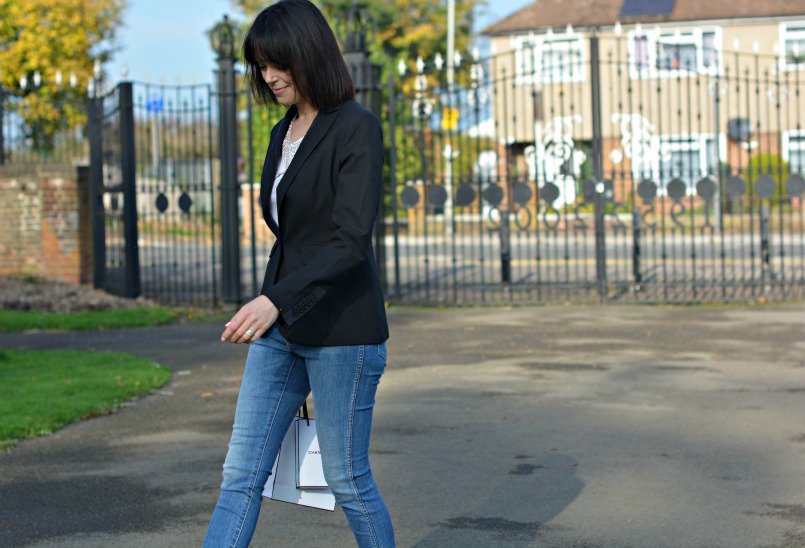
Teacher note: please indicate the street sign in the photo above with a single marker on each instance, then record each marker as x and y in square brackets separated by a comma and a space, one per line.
[155, 103]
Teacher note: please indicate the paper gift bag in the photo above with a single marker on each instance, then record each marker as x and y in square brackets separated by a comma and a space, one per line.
[309, 469]
[281, 484]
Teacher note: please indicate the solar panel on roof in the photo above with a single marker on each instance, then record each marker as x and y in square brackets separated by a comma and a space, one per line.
[650, 8]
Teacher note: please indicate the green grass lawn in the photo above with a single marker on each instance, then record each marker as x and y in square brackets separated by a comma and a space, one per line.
[42, 391]
[22, 320]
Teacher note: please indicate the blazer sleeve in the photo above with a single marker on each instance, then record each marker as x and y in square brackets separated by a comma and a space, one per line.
[357, 194]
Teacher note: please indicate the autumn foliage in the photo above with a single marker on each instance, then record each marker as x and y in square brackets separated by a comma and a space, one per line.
[60, 41]
[404, 29]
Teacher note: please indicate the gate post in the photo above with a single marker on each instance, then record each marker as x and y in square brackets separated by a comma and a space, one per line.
[365, 73]
[95, 108]
[366, 77]
[637, 231]
[393, 186]
[128, 168]
[598, 169]
[765, 250]
[223, 38]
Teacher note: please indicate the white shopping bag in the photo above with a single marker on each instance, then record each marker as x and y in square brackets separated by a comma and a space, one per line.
[309, 469]
[281, 484]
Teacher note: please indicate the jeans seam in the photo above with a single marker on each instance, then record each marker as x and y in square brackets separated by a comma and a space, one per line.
[262, 453]
[353, 484]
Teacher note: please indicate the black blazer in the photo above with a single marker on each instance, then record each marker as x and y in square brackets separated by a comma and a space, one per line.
[321, 272]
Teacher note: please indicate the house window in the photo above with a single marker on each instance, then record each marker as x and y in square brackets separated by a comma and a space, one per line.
[793, 39]
[689, 160]
[794, 151]
[549, 58]
[667, 53]
[640, 55]
[685, 157]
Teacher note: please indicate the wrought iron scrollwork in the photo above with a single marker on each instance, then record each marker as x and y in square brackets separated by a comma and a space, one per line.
[409, 196]
[795, 185]
[437, 196]
[465, 195]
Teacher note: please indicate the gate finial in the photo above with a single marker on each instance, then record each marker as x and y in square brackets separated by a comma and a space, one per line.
[355, 26]
[222, 39]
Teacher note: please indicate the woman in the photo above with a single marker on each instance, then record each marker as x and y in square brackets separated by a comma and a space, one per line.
[319, 323]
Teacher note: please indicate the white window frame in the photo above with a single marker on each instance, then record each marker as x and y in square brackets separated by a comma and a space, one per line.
[529, 52]
[794, 139]
[679, 36]
[789, 31]
[662, 145]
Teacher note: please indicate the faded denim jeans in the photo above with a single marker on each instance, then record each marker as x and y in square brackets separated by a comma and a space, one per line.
[278, 377]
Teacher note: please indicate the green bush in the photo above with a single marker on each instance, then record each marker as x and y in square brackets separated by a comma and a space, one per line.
[766, 163]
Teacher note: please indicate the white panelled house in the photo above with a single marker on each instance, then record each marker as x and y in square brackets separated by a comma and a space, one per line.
[682, 89]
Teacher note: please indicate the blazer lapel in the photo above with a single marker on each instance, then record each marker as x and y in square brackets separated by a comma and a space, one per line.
[321, 125]
[272, 161]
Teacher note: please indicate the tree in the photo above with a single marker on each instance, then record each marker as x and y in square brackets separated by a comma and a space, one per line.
[48, 49]
[405, 28]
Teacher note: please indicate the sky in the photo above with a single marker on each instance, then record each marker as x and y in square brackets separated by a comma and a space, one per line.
[164, 41]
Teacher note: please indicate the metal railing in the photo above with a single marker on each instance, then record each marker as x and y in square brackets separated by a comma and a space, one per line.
[20, 144]
[588, 180]
[579, 175]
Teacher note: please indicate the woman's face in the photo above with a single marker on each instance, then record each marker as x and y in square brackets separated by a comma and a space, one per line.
[281, 84]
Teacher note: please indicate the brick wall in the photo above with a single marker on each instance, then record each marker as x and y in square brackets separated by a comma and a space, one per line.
[44, 211]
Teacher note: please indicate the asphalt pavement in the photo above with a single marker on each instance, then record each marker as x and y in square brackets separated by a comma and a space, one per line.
[616, 426]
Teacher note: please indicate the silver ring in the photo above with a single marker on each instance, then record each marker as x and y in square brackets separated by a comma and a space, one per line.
[249, 333]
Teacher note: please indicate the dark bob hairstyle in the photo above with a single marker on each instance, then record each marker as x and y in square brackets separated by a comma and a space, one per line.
[293, 35]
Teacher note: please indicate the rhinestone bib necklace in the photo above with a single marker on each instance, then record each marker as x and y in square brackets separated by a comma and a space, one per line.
[289, 148]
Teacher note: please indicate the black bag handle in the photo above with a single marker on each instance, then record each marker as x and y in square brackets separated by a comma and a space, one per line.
[304, 413]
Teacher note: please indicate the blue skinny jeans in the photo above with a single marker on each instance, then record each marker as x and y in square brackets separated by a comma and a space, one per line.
[278, 377]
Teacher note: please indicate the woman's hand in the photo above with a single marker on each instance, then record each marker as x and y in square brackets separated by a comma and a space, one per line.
[251, 322]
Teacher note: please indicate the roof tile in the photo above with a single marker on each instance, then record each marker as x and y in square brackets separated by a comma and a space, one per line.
[589, 13]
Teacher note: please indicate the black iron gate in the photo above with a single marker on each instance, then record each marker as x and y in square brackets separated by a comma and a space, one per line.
[114, 203]
[173, 170]
[176, 192]
[581, 175]
[576, 175]
[152, 168]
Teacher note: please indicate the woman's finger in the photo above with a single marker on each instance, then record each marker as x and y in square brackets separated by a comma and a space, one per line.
[247, 331]
[234, 330]
[246, 336]
[260, 332]
[251, 322]
[228, 331]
